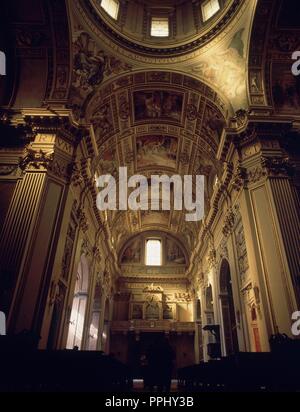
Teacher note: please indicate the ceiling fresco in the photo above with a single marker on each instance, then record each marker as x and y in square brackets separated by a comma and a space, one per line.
[91, 66]
[220, 62]
[226, 69]
[160, 151]
[159, 115]
[157, 104]
[156, 123]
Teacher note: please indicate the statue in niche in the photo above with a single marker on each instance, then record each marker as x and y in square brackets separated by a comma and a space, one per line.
[168, 312]
[152, 310]
[137, 311]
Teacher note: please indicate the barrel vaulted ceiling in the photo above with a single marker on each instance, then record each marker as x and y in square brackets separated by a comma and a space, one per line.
[179, 134]
[157, 106]
[159, 112]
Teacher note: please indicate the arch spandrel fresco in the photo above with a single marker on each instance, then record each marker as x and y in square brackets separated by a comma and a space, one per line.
[221, 61]
[173, 252]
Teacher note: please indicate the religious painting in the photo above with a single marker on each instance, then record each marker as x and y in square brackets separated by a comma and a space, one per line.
[226, 69]
[174, 253]
[132, 253]
[156, 151]
[157, 105]
[213, 124]
[286, 89]
[137, 311]
[107, 162]
[102, 121]
[91, 66]
[168, 312]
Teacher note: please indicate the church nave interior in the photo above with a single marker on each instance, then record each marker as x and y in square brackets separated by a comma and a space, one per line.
[93, 299]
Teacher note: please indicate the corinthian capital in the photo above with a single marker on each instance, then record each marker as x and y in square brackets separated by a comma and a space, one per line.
[36, 160]
[278, 166]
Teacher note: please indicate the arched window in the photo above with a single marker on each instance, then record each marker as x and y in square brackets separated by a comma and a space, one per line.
[153, 252]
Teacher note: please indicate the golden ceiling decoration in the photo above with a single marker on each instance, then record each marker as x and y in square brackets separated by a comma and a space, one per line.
[156, 123]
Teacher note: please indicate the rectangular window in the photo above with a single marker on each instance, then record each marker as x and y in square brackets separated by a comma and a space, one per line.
[210, 8]
[153, 252]
[111, 7]
[160, 27]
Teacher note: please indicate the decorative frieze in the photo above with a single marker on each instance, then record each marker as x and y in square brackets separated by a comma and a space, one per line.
[211, 259]
[77, 178]
[83, 222]
[222, 251]
[239, 176]
[9, 170]
[152, 325]
[86, 248]
[229, 222]
[182, 297]
[148, 271]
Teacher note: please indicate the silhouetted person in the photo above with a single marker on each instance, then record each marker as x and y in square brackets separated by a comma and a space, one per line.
[160, 364]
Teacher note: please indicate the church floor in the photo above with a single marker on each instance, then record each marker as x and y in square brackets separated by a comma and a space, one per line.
[138, 385]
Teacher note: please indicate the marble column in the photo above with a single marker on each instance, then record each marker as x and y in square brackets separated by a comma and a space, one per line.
[27, 240]
[272, 230]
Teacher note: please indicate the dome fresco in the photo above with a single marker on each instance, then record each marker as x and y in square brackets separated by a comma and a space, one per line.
[182, 25]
